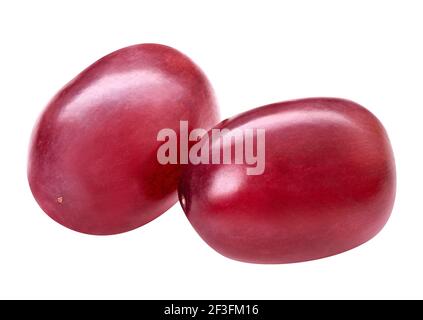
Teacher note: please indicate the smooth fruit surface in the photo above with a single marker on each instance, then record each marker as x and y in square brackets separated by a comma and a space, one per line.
[328, 185]
[92, 164]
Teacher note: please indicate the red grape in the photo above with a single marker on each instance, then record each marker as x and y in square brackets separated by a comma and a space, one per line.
[328, 184]
[92, 164]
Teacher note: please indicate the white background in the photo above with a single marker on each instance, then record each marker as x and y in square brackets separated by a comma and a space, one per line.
[254, 53]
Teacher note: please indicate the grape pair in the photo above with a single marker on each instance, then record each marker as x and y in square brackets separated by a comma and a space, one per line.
[328, 184]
